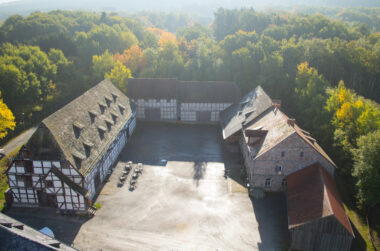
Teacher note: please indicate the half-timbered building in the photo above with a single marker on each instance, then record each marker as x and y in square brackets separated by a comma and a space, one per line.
[186, 101]
[67, 159]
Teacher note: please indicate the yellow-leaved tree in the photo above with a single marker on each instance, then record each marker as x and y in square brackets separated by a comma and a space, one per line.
[7, 120]
[119, 75]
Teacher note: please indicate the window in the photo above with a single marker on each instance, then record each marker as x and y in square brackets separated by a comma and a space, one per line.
[267, 182]
[28, 166]
[92, 117]
[301, 154]
[282, 154]
[121, 108]
[284, 183]
[76, 131]
[278, 169]
[114, 96]
[87, 149]
[114, 118]
[101, 132]
[49, 183]
[108, 102]
[109, 125]
[102, 108]
[78, 161]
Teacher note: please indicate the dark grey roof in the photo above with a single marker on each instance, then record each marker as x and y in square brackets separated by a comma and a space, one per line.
[74, 125]
[14, 235]
[184, 91]
[244, 111]
[208, 92]
[152, 88]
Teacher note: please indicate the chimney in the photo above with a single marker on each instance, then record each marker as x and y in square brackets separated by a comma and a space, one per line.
[291, 122]
[276, 103]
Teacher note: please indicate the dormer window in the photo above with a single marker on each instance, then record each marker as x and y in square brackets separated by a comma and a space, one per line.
[114, 117]
[92, 116]
[101, 131]
[87, 149]
[77, 127]
[109, 124]
[121, 108]
[78, 157]
[108, 101]
[77, 161]
[114, 96]
[102, 108]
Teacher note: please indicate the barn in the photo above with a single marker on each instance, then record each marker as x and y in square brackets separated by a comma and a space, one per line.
[155, 98]
[186, 101]
[65, 162]
[317, 220]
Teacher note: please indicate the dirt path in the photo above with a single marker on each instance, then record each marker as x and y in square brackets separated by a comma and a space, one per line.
[16, 142]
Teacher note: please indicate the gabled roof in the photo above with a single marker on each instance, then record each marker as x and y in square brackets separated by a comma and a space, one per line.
[71, 127]
[235, 117]
[183, 91]
[208, 92]
[32, 238]
[152, 88]
[312, 194]
[278, 128]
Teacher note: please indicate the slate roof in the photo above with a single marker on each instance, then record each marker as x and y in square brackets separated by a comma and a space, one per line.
[83, 123]
[312, 194]
[183, 91]
[208, 92]
[235, 117]
[152, 88]
[275, 122]
[30, 239]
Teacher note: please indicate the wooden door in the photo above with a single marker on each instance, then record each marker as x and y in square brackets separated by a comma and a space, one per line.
[203, 116]
[42, 198]
[97, 181]
[153, 114]
[52, 200]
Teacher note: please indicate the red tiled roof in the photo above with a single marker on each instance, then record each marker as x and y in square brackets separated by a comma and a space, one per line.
[312, 194]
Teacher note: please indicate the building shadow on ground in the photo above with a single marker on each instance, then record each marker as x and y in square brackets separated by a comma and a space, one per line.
[271, 215]
[64, 227]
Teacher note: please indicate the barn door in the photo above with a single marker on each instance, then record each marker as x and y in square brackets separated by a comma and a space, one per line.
[127, 132]
[152, 114]
[42, 198]
[97, 181]
[52, 200]
[203, 116]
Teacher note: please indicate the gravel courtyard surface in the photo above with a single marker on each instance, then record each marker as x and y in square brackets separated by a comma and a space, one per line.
[182, 200]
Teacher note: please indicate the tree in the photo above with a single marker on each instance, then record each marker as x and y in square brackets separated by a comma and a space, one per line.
[131, 58]
[102, 64]
[311, 96]
[367, 169]
[7, 120]
[119, 75]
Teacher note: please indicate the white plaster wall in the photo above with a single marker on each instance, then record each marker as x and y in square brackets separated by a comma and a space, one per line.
[168, 107]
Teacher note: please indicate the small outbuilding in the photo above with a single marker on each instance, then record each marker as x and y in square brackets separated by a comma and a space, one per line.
[317, 220]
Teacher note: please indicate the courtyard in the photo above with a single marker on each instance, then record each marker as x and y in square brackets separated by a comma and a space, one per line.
[184, 199]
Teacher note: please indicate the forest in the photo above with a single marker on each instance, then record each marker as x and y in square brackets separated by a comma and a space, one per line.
[324, 67]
